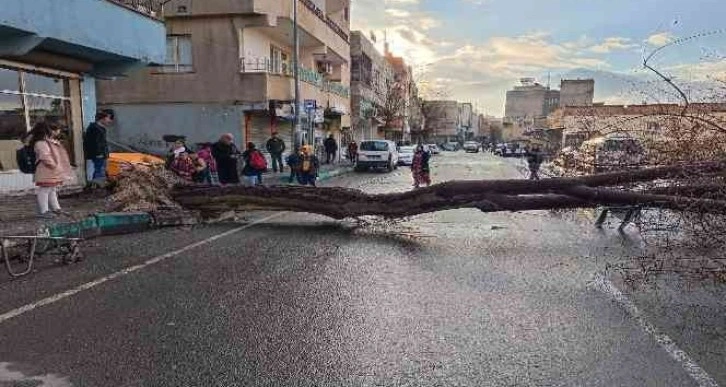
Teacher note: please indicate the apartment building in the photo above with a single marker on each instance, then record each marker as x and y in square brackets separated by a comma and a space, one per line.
[577, 92]
[411, 115]
[371, 77]
[530, 100]
[442, 120]
[229, 68]
[51, 52]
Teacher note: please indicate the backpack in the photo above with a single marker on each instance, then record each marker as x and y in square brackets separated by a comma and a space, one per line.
[26, 159]
[258, 161]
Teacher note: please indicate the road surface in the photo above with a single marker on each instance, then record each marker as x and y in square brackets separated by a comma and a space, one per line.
[456, 298]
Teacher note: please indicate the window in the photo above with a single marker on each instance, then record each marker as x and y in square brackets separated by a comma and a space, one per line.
[279, 61]
[178, 54]
[25, 99]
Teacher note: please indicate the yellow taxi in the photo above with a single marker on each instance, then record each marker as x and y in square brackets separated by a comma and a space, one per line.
[122, 158]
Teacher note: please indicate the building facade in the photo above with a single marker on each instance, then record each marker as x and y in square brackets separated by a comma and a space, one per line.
[405, 90]
[51, 52]
[229, 69]
[371, 76]
[442, 120]
[577, 92]
[530, 100]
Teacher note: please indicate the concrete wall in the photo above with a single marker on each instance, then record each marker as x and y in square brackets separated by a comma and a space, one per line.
[143, 126]
[577, 92]
[93, 24]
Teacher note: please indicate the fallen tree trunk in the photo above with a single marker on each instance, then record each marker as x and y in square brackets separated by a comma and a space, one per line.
[484, 195]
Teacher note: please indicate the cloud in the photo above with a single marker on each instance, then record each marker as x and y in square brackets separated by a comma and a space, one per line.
[475, 2]
[402, 1]
[398, 13]
[613, 44]
[704, 71]
[660, 39]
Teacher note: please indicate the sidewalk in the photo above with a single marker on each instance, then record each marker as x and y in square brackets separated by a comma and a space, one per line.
[18, 214]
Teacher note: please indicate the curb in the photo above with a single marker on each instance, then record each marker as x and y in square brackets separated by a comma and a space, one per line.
[323, 175]
[119, 223]
[113, 223]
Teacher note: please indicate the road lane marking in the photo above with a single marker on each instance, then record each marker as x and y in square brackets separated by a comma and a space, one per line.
[692, 368]
[90, 285]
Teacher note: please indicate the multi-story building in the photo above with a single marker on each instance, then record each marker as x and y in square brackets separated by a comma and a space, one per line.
[407, 92]
[50, 54]
[530, 100]
[466, 121]
[229, 68]
[577, 92]
[442, 120]
[371, 77]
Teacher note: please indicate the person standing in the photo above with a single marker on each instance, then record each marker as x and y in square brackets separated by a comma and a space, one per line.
[309, 166]
[225, 155]
[352, 151]
[276, 147]
[293, 161]
[331, 149]
[420, 167]
[205, 153]
[534, 161]
[53, 167]
[255, 165]
[95, 143]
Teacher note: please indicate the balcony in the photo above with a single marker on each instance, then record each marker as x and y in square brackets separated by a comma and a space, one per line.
[312, 77]
[135, 40]
[326, 19]
[152, 8]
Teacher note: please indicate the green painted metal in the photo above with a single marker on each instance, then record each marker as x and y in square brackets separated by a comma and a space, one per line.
[84, 228]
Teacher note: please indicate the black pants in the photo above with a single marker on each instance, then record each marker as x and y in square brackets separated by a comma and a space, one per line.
[227, 171]
[330, 155]
[277, 162]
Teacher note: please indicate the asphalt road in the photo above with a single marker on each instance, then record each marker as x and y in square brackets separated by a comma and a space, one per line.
[456, 298]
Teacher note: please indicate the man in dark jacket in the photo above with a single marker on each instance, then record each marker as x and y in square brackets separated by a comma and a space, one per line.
[276, 147]
[534, 161]
[226, 155]
[331, 149]
[95, 143]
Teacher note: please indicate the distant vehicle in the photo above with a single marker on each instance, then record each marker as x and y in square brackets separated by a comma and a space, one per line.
[405, 155]
[451, 146]
[471, 147]
[377, 154]
[434, 149]
[610, 153]
[123, 158]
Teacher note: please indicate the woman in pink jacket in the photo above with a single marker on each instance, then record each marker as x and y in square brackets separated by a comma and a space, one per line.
[53, 167]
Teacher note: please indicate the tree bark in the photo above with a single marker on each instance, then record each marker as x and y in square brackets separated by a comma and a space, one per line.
[485, 195]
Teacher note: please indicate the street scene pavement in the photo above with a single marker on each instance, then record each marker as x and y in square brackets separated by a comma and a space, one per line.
[456, 298]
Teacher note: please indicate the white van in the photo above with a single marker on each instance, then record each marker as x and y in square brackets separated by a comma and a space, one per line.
[377, 154]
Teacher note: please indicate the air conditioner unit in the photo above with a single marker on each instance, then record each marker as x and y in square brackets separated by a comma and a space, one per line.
[325, 68]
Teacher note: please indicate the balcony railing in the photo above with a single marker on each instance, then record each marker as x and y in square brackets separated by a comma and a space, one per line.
[309, 4]
[267, 66]
[151, 8]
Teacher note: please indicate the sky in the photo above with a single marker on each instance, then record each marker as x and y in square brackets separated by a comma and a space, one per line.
[475, 50]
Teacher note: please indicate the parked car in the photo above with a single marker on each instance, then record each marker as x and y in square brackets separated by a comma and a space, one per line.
[122, 158]
[377, 154]
[471, 147]
[405, 155]
[434, 149]
[610, 153]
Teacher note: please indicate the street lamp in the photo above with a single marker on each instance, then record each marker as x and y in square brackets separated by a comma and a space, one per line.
[296, 68]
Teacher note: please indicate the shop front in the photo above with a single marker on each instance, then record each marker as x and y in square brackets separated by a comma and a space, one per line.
[31, 94]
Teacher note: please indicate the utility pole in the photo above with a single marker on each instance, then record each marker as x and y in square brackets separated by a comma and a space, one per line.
[296, 68]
